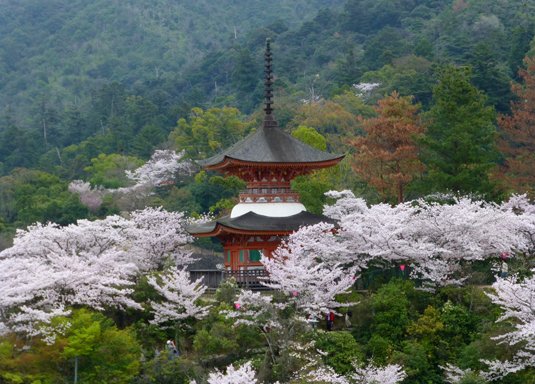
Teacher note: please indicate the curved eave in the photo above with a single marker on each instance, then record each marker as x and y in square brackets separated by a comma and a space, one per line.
[230, 162]
[223, 230]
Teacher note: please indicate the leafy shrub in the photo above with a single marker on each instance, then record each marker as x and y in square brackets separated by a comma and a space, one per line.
[342, 350]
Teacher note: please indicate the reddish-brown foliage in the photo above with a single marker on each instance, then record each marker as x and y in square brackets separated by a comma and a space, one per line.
[518, 135]
[388, 156]
[459, 5]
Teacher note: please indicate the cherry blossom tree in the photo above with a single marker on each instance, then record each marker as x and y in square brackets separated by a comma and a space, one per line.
[180, 294]
[318, 262]
[157, 238]
[525, 210]
[307, 280]
[92, 197]
[92, 263]
[390, 374]
[242, 375]
[454, 374]
[516, 300]
[35, 322]
[366, 90]
[162, 166]
[310, 277]
[82, 264]
[370, 374]
[431, 236]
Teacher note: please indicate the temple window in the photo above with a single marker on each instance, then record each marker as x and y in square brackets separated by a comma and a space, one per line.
[255, 254]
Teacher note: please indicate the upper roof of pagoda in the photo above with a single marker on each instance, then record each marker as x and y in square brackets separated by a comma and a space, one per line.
[270, 145]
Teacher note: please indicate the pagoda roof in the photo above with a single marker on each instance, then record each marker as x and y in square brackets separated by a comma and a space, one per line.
[271, 145]
[254, 223]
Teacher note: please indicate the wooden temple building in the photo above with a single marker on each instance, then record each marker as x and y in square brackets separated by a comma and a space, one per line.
[268, 210]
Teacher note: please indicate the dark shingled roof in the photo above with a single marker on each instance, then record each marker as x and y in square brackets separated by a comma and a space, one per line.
[254, 222]
[270, 144]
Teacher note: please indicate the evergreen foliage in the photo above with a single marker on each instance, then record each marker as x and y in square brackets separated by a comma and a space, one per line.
[460, 143]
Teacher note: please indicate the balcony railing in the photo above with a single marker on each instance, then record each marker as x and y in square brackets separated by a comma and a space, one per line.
[251, 279]
[288, 196]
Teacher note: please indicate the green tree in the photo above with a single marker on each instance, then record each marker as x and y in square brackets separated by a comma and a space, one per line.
[312, 193]
[424, 49]
[147, 140]
[209, 132]
[354, 104]
[341, 350]
[487, 77]
[74, 126]
[17, 149]
[521, 37]
[107, 102]
[246, 75]
[348, 69]
[277, 26]
[382, 48]
[311, 137]
[105, 353]
[109, 171]
[460, 140]
[140, 112]
[390, 306]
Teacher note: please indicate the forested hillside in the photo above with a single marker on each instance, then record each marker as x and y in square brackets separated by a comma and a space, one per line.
[62, 50]
[85, 85]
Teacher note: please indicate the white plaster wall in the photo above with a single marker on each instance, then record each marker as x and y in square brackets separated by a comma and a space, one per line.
[268, 209]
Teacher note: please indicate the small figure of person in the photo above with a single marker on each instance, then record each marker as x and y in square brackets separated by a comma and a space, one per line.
[505, 269]
[329, 323]
[331, 318]
[348, 316]
[173, 351]
[312, 322]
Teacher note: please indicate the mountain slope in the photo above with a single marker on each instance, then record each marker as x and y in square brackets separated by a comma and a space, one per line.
[62, 48]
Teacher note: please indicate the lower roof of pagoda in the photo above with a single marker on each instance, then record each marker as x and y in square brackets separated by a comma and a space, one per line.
[255, 224]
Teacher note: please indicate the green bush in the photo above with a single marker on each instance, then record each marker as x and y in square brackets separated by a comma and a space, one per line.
[342, 350]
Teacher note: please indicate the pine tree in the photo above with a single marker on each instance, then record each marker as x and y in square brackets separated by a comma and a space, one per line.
[246, 75]
[147, 140]
[520, 39]
[460, 141]
[487, 77]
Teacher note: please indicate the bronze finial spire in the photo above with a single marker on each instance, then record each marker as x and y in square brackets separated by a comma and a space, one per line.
[269, 79]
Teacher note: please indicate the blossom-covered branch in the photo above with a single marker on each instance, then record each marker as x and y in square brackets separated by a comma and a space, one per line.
[162, 166]
[180, 296]
[516, 298]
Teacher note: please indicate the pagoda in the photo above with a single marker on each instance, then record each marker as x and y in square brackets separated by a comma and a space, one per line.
[268, 211]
